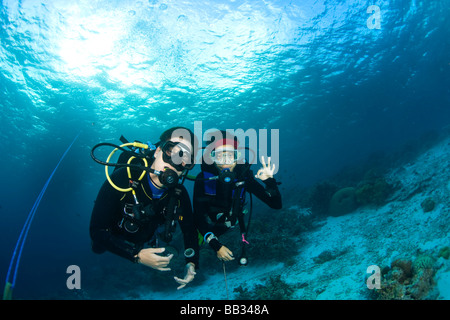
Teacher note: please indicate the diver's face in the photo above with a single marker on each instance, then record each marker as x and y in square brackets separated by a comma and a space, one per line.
[224, 157]
[159, 163]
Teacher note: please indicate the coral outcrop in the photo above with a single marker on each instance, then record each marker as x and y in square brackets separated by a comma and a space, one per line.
[428, 205]
[407, 280]
[343, 202]
[373, 192]
[444, 253]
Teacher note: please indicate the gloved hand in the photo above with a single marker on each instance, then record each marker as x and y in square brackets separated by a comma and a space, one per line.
[190, 273]
[265, 172]
[150, 258]
[225, 254]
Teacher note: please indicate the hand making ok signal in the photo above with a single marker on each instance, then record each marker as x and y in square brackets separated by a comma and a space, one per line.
[265, 172]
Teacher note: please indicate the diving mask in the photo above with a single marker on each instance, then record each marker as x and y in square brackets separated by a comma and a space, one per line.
[225, 156]
[178, 155]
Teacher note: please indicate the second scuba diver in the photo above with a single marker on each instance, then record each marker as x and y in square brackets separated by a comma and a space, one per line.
[131, 207]
[220, 189]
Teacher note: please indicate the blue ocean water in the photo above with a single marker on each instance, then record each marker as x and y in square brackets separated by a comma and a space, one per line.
[338, 82]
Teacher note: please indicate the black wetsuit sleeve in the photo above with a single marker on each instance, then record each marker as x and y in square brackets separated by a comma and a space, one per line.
[201, 211]
[188, 228]
[270, 195]
[105, 216]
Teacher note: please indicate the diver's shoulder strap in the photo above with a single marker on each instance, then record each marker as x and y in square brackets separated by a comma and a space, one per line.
[172, 206]
[210, 184]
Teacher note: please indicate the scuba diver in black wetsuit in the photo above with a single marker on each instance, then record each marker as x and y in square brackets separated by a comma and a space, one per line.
[220, 190]
[142, 196]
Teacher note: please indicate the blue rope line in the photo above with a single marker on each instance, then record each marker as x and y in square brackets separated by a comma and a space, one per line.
[26, 227]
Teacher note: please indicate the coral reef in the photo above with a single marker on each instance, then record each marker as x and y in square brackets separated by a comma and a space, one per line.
[328, 198]
[423, 262]
[374, 191]
[405, 266]
[407, 280]
[342, 202]
[274, 289]
[444, 253]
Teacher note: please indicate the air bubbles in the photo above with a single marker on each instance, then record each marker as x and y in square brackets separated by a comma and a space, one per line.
[182, 18]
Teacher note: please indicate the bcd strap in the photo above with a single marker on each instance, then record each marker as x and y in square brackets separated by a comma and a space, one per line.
[237, 207]
[174, 196]
[210, 185]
